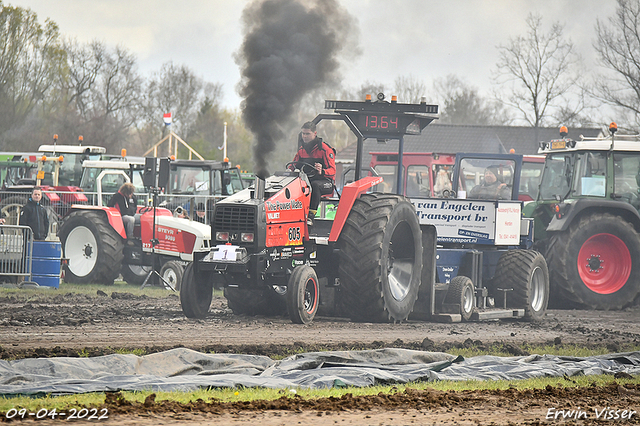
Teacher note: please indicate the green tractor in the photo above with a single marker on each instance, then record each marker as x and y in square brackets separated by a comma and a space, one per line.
[587, 222]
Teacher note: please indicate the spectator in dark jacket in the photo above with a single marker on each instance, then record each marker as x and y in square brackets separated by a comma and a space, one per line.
[35, 216]
[125, 202]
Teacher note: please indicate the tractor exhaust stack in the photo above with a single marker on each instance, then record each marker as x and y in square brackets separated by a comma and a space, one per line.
[258, 191]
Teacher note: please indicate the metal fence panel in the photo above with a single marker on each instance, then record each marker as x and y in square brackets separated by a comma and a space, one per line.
[16, 252]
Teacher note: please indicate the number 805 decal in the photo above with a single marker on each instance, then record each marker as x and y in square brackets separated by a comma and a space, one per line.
[294, 235]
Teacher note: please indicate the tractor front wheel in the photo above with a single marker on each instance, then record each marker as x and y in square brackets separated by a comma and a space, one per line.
[196, 294]
[93, 247]
[172, 272]
[303, 295]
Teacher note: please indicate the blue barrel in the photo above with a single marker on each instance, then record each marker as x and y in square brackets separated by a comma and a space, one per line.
[46, 260]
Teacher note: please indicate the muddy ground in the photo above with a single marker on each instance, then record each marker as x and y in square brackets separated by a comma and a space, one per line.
[64, 324]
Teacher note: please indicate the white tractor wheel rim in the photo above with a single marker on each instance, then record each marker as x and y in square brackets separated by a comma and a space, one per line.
[81, 248]
[170, 276]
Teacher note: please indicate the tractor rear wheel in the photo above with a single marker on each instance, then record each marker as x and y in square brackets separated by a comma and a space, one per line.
[596, 263]
[381, 258]
[93, 248]
[525, 271]
[196, 294]
[303, 295]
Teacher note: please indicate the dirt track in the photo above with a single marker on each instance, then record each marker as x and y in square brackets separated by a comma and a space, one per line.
[33, 324]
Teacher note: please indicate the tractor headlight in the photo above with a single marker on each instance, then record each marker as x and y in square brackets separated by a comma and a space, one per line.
[246, 237]
[222, 236]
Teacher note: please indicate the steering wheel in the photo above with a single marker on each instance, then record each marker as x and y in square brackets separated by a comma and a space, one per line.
[301, 165]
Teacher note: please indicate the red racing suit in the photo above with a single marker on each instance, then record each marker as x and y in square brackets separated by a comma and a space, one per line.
[320, 151]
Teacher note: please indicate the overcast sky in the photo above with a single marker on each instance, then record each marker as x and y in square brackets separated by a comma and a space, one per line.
[422, 38]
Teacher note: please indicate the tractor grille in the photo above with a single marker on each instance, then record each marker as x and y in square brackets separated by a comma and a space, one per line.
[235, 218]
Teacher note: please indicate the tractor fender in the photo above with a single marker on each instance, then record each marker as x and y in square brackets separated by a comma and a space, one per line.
[113, 217]
[350, 193]
[574, 210]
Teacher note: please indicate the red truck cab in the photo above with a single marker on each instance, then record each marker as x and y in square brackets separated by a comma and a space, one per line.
[426, 174]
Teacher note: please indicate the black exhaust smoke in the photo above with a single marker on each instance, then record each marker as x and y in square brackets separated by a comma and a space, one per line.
[291, 47]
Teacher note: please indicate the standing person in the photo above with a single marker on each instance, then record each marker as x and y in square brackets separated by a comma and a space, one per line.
[321, 156]
[125, 202]
[35, 216]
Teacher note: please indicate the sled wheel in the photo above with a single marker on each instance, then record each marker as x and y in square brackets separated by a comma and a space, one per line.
[596, 263]
[461, 293]
[93, 248]
[303, 295]
[196, 294]
[172, 273]
[380, 258]
[526, 272]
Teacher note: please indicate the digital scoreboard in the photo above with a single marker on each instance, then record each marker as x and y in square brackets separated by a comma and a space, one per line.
[386, 120]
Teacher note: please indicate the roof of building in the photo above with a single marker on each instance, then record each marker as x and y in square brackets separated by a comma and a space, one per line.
[452, 138]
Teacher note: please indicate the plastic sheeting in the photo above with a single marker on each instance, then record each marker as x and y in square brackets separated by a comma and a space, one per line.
[186, 370]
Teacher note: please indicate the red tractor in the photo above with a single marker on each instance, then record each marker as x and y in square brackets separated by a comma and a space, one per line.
[94, 241]
[366, 263]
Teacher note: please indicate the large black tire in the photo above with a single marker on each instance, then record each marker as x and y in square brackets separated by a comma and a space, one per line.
[461, 292]
[380, 258]
[196, 293]
[526, 272]
[93, 248]
[172, 272]
[263, 301]
[134, 274]
[596, 263]
[303, 295]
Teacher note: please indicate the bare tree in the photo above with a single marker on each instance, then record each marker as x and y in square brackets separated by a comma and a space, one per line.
[409, 89]
[84, 64]
[174, 89]
[114, 100]
[618, 47]
[538, 69]
[30, 59]
[462, 104]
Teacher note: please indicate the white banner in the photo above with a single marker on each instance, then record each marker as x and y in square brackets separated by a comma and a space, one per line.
[471, 221]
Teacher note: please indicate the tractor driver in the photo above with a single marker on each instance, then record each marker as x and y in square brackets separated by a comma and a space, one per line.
[491, 188]
[125, 202]
[312, 150]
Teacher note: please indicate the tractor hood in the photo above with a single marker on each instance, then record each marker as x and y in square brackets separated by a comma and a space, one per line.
[194, 236]
[196, 228]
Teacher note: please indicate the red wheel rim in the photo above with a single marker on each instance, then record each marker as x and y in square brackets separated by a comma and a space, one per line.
[604, 263]
[310, 296]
